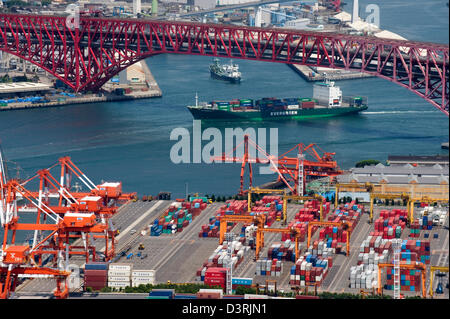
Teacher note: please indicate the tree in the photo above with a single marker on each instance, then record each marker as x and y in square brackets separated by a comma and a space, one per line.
[367, 163]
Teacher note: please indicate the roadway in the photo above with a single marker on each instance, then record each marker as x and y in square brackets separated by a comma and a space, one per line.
[233, 7]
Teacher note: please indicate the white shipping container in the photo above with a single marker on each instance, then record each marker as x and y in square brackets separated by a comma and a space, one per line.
[143, 273]
[119, 273]
[118, 279]
[120, 267]
[115, 284]
[143, 280]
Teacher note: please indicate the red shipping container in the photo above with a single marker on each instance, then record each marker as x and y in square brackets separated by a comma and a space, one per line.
[92, 272]
[95, 278]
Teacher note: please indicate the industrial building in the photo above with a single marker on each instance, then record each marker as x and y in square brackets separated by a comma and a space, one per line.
[418, 160]
[414, 180]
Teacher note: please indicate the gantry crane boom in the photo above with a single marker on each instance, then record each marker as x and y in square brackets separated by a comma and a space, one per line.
[286, 167]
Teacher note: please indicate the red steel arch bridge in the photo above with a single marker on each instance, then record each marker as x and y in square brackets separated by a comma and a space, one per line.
[86, 57]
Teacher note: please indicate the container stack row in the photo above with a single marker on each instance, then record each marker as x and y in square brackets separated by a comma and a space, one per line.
[391, 223]
[415, 229]
[364, 276]
[324, 248]
[426, 223]
[331, 233]
[216, 276]
[374, 250]
[410, 279]
[416, 251]
[178, 216]
[310, 212]
[309, 270]
[96, 275]
[219, 257]
[119, 275]
[268, 206]
[269, 267]
[350, 212]
[282, 251]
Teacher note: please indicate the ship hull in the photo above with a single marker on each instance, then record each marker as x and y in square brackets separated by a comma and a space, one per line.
[224, 77]
[287, 115]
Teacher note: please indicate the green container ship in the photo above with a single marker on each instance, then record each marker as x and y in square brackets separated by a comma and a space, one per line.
[327, 101]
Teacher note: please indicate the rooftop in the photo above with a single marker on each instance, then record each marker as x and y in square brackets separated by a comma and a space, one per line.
[23, 87]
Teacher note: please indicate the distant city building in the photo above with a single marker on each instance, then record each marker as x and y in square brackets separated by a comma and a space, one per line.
[231, 2]
[136, 6]
[203, 4]
[175, 1]
[297, 23]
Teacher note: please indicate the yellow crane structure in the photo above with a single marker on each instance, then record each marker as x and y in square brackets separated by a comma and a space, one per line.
[423, 199]
[368, 187]
[345, 226]
[374, 196]
[260, 237]
[257, 220]
[296, 197]
[432, 270]
[416, 266]
[286, 197]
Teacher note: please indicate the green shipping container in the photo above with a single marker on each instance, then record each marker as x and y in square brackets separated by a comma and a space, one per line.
[204, 199]
[157, 297]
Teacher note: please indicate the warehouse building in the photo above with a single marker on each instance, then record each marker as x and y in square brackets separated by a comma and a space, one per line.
[417, 181]
[418, 160]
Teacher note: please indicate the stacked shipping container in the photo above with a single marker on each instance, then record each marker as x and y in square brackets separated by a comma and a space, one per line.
[391, 223]
[416, 250]
[119, 276]
[409, 279]
[178, 216]
[373, 250]
[96, 275]
[270, 206]
[269, 267]
[219, 258]
[142, 277]
[309, 270]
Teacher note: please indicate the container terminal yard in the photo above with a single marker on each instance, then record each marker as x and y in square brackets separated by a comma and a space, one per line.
[178, 241]
[318, 231]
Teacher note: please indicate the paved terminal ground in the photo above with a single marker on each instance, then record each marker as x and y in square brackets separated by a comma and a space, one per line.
[176, 257]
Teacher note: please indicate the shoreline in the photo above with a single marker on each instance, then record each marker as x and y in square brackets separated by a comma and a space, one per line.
[148, 90]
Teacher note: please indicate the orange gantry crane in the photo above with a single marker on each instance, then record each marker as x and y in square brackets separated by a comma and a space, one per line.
[62, 215]
[257, 220]
[260, 238]
[292, 171]
[345, 226]
[417, 266]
